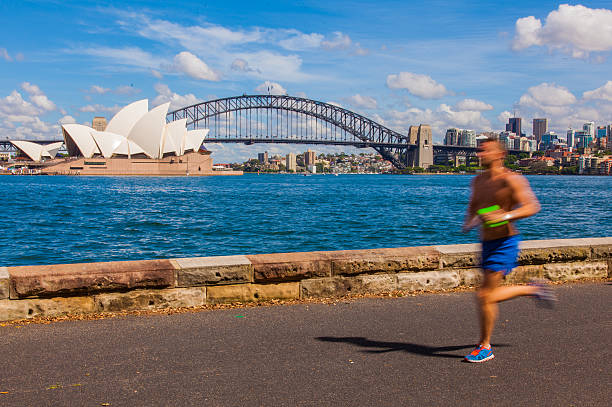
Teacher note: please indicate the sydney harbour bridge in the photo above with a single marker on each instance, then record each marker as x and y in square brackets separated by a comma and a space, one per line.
[251, 119]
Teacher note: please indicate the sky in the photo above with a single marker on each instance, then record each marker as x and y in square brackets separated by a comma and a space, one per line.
[457, 63]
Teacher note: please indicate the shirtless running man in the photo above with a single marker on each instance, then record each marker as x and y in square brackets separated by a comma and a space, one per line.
[499, 197]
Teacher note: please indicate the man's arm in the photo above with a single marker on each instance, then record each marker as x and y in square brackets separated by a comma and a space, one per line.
[471, 220]
[526, 202]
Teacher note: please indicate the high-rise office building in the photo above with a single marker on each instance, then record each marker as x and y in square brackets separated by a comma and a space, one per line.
[571, 138]
[468, 138]
[589, 128]
[452, 137]
[263, 157]
[514, 125]
[602, 132]
[540, 126]
[99, 123]
[309, 158]
[290, 162]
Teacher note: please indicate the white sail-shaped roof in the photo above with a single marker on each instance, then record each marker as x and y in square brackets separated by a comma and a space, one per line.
[50, 150]
[148, 132]
[107, 142]
[32, 150]
[195, 138]
[81, 135]
[174, 138]
[125, 119]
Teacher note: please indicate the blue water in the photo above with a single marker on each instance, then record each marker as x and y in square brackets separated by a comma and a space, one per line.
[51, 220]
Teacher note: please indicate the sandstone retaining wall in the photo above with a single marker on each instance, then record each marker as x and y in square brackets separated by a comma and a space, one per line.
[30, 291]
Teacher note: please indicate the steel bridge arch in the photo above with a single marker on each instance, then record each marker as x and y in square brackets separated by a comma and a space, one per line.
[366, 132]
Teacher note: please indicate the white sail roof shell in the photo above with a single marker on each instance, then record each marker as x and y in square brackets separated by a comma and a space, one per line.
[107, 142]
[81, 135]
[125, 119]
[174, 137]
[50, 150]
[195, 138]
[148, 132]
[32, 150]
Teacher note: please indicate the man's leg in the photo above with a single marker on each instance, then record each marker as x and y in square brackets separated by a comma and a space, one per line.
[489, 294]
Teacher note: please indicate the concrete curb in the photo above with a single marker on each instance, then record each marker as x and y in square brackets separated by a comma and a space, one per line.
[31, 291]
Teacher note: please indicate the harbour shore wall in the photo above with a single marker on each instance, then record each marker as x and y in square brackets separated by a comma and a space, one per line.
[55, 290]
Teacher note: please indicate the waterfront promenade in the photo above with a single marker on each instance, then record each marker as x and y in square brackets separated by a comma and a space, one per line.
[375, 351]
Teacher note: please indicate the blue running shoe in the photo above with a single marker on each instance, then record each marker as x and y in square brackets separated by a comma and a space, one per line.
[480, 354]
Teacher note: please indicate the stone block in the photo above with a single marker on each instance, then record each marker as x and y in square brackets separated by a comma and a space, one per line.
[469, 277]
[524, 274]
[394, 260]
[51, 307]
[4, 283]
[575, 271]
[340, 286]
[75, 279]
[290, 266]
[199, 271]
[150, 299]
[252, 292]
[428, 280]
[529, 256]
[459, 255]
[601, 252]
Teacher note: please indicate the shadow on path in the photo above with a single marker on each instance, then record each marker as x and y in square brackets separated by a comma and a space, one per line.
[414, 348]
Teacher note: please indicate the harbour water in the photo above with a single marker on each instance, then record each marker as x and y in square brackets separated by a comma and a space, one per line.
[51, 220]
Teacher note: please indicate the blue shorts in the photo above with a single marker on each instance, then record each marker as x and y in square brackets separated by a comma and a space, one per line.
[500, 254]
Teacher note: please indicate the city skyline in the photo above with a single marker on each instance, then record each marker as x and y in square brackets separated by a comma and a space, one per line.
[455, 65]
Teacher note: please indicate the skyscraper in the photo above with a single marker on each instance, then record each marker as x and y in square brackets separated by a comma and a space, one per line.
[309, 158]
[514, 125]
[263, 157]
[452, 137]
[540, 126]
[589, 128]
[571, 138]
[290, 162]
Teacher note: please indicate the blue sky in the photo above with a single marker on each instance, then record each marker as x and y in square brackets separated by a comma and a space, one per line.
[447, 63]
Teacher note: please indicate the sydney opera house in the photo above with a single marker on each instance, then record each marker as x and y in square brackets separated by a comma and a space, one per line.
[136, 141]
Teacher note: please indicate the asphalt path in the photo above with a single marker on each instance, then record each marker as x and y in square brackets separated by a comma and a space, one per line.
[370, 352]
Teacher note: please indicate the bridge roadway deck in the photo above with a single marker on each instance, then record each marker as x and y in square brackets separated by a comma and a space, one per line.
[382, 351]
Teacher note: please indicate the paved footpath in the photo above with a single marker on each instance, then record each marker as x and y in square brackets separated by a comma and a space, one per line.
[370, 352]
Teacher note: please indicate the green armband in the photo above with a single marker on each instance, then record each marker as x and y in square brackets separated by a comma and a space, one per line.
[491, 209]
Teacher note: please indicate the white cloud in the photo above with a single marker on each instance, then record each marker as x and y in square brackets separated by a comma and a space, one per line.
[301, 41]
[267, 64]
[601, 93]
[364, 102]
[473, 104]
[31, 88]
[194, 67]
[549, 98]
[419, 85]
[164, 95]
[99, 90]
[359, 50]
[338, 41]
[576, 30]
[241, 65]
[156, 74]
[504, 116]
[67, 120]
[131, 56]
[5, 55]
[98, 108]
[43, 102]
[271, 88]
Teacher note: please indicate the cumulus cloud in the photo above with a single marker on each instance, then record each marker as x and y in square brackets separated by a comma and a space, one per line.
[164, 95]
[548, 98]
[271, 88]
[473, 104]
[98, 108]
[364, 102]
[339, 40]
[67, 120]
[194, 67]
[504, 116]
[419, 85]
[602, 93]
[19, 117]
[37, 97]
[15, 105]
[241, 65]
[273, 65]
[576, 30]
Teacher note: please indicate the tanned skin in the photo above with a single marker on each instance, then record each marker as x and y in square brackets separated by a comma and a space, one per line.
[497, 186]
